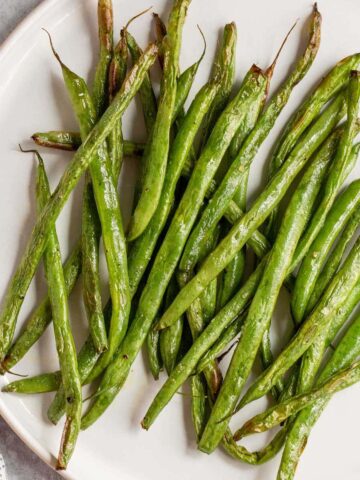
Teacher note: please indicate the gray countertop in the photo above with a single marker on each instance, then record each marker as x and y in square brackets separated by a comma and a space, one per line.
[20, 462]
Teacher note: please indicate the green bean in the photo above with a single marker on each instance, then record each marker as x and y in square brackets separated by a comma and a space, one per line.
[262, 306]
[42, 316]
[342, 209]
[243, 133]
[231, 278]
[201, 345]
[90, 237]
[211, 373]
[334, 296]
[71, 141]
[229, 185]
[142, 249]
[87, 359]
[340, 169]
[255, 458]
[345, 353]
[277, 414]
[105, 22]
[153, 351]
[224, 339]
[160, 33]
[157, 149]
[38, 384]
[64, 340]
[110, 217]
[334, 261]
[26, 269]
[184, 84]
[91, 227]
[261, 208]
[170, 339]
[186, 78]
[208, 298]
[49, 382]
[223, 72]
[117, 74]
[208, 301]
[331, 84]
[146, 92]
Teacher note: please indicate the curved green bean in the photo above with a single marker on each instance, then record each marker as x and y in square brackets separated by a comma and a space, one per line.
[63, 336]
[71, 141]
[156, 151]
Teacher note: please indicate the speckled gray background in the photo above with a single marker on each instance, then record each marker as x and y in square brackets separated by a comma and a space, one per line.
[21, 463]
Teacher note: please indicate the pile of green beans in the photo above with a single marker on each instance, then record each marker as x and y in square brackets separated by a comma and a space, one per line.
[198, 272]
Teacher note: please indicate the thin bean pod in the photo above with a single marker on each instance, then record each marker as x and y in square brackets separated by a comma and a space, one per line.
[157, 149]
[262, 306]
[71, 141]
[153, 353]
[170, 339]
[87, 359]
[233, 178]
[227, 336]
[25, 271]
[146, 92]
[186, 78]
[260, 210]
[117, 74]
[223, 72]
[100, 88]
[62, 329]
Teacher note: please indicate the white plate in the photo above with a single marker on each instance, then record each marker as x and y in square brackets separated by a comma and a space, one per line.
[32, 98]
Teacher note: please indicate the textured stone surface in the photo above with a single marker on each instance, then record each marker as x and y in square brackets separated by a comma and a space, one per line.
[21, 463]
